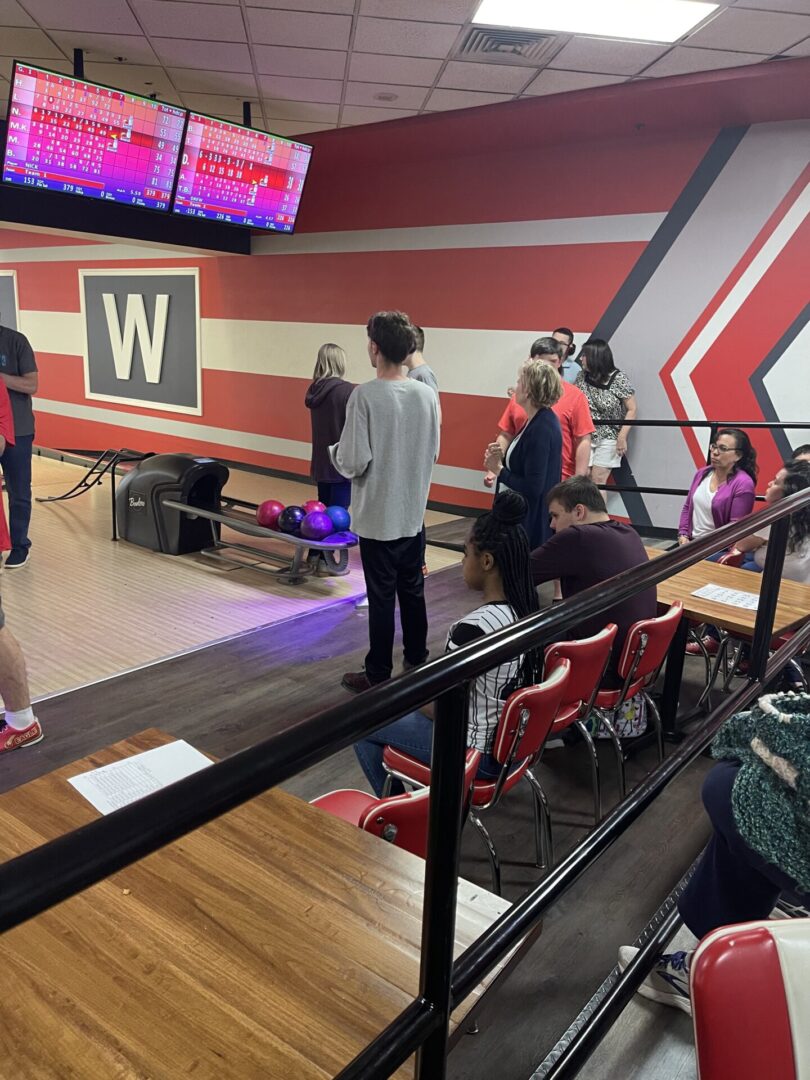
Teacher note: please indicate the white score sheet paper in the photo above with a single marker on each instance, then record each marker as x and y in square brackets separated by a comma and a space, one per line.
[733, 597]
[112, 786]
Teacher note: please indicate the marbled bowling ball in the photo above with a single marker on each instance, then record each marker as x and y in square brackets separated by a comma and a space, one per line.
[267, 513]
[312, 504]
[290, 519]
[316, 525]
[340, 517]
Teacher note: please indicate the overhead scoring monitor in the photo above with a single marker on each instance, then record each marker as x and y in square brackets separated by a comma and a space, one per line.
[69, 135]
[239, 175]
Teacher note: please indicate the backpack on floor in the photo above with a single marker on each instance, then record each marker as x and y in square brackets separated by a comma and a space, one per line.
[629, 721]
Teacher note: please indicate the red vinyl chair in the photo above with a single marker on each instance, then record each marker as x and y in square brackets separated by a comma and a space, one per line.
[589, 660]
[524, 725]
[751, 1001]
[645, 649]
[402, 820]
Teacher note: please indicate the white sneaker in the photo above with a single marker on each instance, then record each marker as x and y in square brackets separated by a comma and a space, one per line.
[668, 982]
[363, 602]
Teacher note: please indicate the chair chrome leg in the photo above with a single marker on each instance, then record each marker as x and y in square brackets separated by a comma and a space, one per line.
[495, 865]
[719, 661]
[733, 664]
[617, 746]
[386, 788]
[659, 727]
[696, 634]
[595, 781]
[545, 852]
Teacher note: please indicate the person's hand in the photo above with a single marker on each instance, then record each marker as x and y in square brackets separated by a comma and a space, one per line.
[489, 480]
[683, 540]
[621, 445]
[493, 459]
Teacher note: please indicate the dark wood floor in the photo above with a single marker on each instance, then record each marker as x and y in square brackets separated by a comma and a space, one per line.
[226, 697]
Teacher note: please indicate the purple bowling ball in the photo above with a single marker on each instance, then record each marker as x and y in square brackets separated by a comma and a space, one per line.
[316, 525]
[289, 520]
[340, 517]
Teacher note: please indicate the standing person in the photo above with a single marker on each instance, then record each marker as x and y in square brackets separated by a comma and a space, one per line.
[388, 447]
[18, 370]
[576, 425]
[496, 565]
[723, 491]
[570, 368]
[326, 399]
[531, 464]
[612, 400]
[419, 370]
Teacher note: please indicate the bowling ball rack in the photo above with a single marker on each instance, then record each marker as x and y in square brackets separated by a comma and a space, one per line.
[307, 558]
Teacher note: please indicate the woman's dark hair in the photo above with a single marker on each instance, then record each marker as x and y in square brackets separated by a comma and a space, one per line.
[797, 479]
[501, 533]
[599, 358]
[748, 455]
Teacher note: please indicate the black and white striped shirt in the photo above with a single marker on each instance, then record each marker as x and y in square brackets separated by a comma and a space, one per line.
[486, 701]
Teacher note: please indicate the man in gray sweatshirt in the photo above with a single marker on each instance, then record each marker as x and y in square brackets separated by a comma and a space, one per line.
[388, 446]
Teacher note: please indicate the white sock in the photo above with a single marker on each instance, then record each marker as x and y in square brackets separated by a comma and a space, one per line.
[20, 720]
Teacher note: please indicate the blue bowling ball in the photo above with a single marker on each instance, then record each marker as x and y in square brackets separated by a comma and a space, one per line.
[290, 518]
[340, 517]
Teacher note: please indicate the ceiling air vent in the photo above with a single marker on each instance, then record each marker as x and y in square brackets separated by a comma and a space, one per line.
[505, 46]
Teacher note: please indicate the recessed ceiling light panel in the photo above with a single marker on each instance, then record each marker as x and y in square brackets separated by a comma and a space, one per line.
[633, 20]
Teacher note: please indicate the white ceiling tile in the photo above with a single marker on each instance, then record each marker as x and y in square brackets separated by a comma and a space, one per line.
[803, 49]
[423, 10]
[219, 105]
[103, 48]
[11, 14]
[364, 93]
[302, 28]
[400, 38]
[685, 61]
[752, 31]
[460, 75]
[319, 63]
[27, 44]
[312, 111]
[605, 56]
[560, 82]
[405, 70]
[295, 127]
[798, 7]
[332, 7]
[363, 114]
[240, 84]
[101, 16]
[462, 99]
[63, 66]
[289, 88]
[202, 22]
[137, 78]
[224, 56]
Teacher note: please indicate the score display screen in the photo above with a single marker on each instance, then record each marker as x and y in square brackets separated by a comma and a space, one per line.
[68, 135]
[240, 176]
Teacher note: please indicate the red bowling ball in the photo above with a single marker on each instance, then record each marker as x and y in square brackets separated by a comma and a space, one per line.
[312, 506]
[267, 514]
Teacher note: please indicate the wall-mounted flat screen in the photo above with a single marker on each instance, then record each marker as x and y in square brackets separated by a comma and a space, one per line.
[68, 135]
[241, 176]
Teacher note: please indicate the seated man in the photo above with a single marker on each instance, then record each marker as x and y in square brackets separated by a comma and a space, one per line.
[588, 548]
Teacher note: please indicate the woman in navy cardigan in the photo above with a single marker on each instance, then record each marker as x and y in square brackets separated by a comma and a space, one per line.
[533, 461]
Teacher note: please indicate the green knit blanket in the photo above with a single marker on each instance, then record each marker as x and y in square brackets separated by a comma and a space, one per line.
[771, 794]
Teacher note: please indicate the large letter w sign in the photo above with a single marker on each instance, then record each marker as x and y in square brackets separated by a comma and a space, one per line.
[142, 338]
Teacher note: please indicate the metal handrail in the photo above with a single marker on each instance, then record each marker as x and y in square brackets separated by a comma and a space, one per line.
[30, 885]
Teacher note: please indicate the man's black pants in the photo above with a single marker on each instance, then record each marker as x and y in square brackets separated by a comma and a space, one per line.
[393, 571]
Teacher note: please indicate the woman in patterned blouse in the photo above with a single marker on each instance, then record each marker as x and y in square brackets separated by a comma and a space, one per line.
[612, 401]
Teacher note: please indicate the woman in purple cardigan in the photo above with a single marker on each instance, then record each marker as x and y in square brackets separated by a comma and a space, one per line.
[723, 491]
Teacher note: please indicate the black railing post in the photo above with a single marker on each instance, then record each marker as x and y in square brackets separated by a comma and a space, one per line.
[712, 436]
[768, 598]
[441, 873]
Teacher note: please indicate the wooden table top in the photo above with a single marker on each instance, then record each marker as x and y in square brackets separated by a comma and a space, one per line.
[792, 609]
[274, 942]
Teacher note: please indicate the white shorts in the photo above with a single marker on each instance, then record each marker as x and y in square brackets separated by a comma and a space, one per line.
[604, 454]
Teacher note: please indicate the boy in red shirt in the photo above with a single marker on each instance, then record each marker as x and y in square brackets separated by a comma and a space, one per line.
[19, 726]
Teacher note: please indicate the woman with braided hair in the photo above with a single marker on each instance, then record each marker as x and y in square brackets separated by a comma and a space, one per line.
[496, 564]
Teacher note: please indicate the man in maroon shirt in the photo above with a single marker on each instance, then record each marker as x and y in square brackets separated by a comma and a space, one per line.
[589, 547]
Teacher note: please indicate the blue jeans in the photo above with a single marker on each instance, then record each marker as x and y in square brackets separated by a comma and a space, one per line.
[16, 463]
[413, 734]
